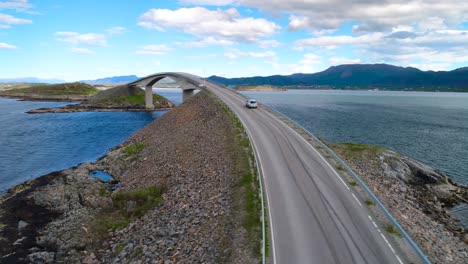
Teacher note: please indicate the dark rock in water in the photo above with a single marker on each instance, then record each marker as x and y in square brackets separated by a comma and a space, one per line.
[408, 170]
[424, 174]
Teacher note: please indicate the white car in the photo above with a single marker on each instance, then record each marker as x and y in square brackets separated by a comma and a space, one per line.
[251, 103]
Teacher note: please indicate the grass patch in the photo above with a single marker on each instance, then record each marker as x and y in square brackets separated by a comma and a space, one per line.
[127, 206]
[392, 230]
[104, 192]
[133, 149]
[370, 202]
[76, 88]
[340, 167]
[353, 183]
[248, 200]
[138, 99]
[119, 249]
[252, 219]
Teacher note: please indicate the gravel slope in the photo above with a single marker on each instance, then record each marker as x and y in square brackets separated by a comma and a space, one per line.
[193, 153]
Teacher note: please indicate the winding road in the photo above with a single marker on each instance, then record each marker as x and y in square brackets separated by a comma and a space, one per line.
[314, 215]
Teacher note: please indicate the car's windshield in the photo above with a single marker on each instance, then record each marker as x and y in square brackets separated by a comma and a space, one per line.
[253, 101]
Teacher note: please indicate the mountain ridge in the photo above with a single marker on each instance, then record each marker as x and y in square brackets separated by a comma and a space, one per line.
[363, 75]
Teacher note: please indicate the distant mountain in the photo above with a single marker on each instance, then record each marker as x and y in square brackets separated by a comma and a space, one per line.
[364, 75]
[30, 80]
[114, 79]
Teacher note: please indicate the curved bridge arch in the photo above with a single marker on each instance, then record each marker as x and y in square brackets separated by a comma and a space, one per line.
[184, 80]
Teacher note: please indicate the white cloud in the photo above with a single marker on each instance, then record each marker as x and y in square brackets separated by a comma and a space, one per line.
[338, 61]
[77, 38]
[198, 21]
[153, 50]
[371, 16]
[6, 46]
[309, 63]
[207, 41]
[81, 50]
[207, 2]
[19, 5]
[116, 30]
[266, 44]
[334, 41]
[241, 54]
[431, 66]
[11, 20]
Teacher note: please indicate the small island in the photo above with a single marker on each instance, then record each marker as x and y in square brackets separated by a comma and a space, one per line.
[119, 98]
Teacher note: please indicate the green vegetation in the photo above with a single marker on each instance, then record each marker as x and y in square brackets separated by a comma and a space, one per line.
[133, 149]
[132, 99]
[353, 183]
[76, 88]
[104, 192]
[392, 230]
[355, 150]
[249, 200]
[127, 206]
[119, 249]
[355, 147]
[370, 202]
[340, 167]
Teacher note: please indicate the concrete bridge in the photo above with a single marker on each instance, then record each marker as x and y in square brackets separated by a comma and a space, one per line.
[188, 85]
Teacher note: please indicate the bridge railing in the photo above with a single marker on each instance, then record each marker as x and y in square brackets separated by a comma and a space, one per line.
[416, 248]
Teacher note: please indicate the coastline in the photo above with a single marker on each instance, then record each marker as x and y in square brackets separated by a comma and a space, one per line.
[200, 210]
[421, 207]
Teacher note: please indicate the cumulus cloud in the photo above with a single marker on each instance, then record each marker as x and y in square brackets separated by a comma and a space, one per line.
[77, 38]
[19, 5]
[207, 2]
[11, 20]
[266, 44]
[242, 54]
[81, 50]
[371, 16]
[339, 60]
[334, 41]
[208, 41]
[116, 30]
[153, 50]
[221, 24]
[6, 46]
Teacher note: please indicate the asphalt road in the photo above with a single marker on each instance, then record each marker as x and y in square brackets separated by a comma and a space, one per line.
[314, 216]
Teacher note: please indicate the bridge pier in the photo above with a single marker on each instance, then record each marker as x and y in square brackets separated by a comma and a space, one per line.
[186, 94]
[149, 98]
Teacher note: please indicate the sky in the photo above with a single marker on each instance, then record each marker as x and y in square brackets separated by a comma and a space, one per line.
[89, 39]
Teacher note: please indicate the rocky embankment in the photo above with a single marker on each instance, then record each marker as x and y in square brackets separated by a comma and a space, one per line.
[417, 195]
[190, 155]
[119, 98]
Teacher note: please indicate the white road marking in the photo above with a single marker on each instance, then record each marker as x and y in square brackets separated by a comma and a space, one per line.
[355, 198]
[399, 260]
[336, 174]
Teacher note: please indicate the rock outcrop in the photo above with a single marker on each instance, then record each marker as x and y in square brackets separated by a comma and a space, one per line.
[190, 152]
[418, 196]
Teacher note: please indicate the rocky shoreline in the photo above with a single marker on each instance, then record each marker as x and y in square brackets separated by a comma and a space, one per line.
[101, 107]
[188, 154]
[417, 195]
[119, 98]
